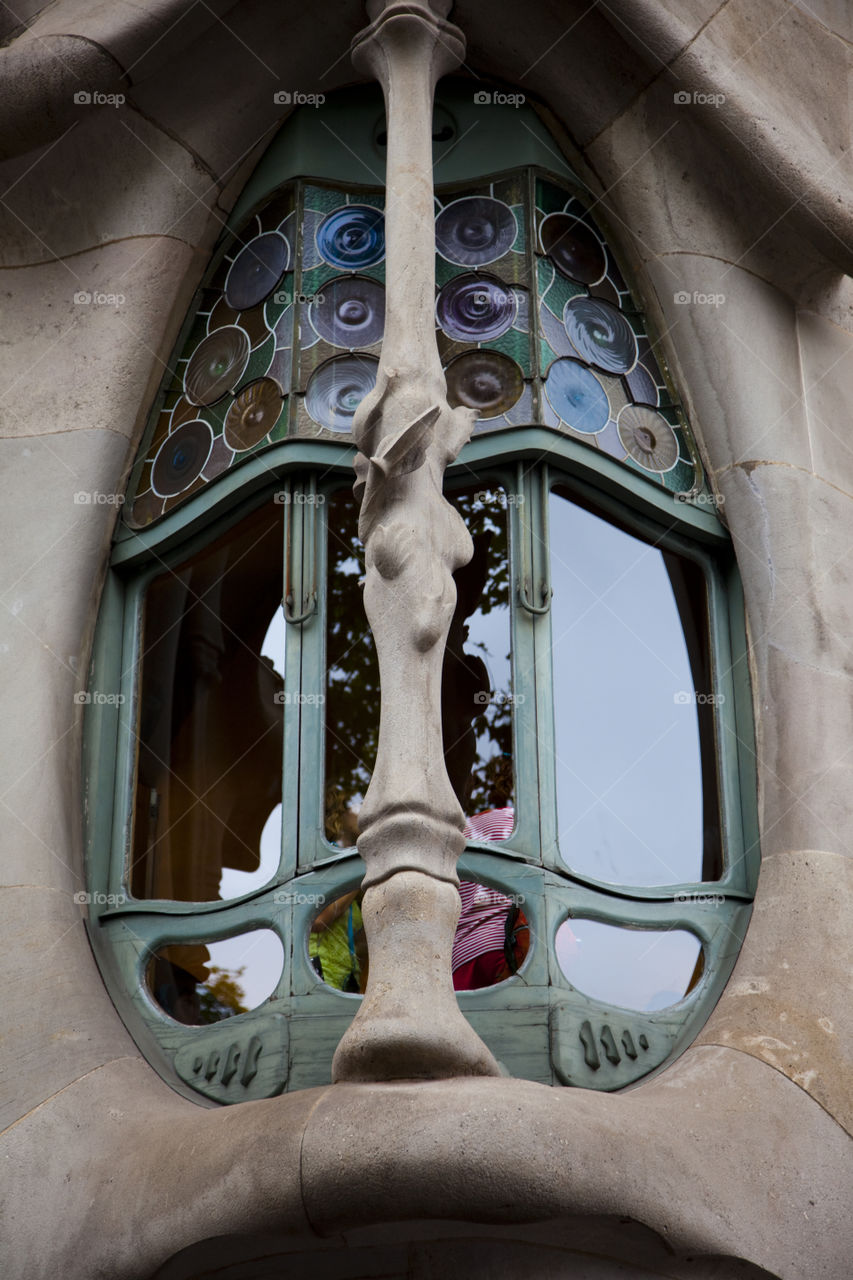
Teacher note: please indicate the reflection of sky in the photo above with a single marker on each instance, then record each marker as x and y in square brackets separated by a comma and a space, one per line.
[628, 771]
[636, 968]
[488, 637]
[260, 951]
[273, 645]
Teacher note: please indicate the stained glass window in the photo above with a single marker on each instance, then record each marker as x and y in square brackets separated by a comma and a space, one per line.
[534, 321]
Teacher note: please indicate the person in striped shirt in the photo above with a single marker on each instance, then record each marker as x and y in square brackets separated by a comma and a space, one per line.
[492, 936]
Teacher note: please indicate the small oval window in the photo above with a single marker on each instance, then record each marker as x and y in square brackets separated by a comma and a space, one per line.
[199, 983]
[643, 969]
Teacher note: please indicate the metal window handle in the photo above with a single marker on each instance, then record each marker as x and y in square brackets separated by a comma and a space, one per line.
[296, 618]
[525, 602]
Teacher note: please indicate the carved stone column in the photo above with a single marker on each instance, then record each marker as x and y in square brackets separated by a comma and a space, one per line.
[409, 1024]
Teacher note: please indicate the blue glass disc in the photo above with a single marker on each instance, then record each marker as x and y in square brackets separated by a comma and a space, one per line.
[337, 388]
[600, 334]
[475, 308]
[181, 458]
[352, 237]
[577, 396]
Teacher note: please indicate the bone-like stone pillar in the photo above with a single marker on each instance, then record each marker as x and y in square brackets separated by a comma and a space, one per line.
[409, 1024]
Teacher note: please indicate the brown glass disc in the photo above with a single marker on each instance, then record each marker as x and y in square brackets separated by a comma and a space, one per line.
[648, 438]
[486, 381]
[574, 248]
[253, 414]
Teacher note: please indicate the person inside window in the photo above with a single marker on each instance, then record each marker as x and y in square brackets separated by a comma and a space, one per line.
[492, 936]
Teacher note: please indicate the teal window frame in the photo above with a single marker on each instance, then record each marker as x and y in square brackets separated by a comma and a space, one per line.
[537, 1025]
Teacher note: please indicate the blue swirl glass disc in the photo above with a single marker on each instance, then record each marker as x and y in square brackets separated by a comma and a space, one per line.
[600, 334]
[577, 396]
[475, 308]
[352, 237]
[337, 388]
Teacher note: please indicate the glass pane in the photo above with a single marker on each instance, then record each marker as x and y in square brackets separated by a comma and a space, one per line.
[477, 696]
[337, 944]
[352, 676]
[207, 822]
[492, 937]
[643, 969]
[198, 983]
[634, 720]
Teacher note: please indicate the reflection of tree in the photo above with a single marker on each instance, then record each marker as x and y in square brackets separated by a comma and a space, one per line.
[352, 685]
[221, 996]
[352, 691]
[484, 512]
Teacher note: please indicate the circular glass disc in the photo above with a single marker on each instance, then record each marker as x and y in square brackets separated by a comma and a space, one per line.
[181, 458]
[577, 396]
[256, 270]
[337, 388]
[600, 334]
[486, 381]
[216, 365]
[253, 414]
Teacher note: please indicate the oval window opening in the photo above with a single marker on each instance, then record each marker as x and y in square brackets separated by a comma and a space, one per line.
[200, 983]
[492, 937]
[642, 969]
[337, 944]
